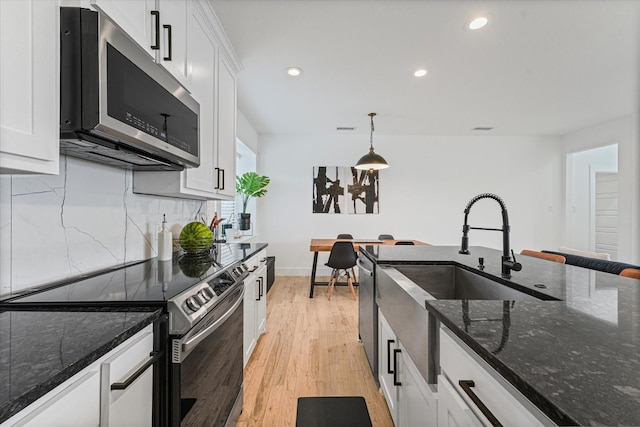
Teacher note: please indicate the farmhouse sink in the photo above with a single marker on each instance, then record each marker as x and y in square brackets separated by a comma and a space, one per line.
[453, 282]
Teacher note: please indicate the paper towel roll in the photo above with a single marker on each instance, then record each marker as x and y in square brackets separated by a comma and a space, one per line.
[165, 243]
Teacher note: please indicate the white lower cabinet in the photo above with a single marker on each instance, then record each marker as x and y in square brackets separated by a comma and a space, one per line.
[255, 303]
[86, 399]
[411, 401]
[125, 397]
[463, 375]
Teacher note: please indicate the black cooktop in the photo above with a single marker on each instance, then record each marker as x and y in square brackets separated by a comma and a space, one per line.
[150, 282]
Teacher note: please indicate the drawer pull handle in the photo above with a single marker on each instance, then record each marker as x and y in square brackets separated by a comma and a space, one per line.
[155, 356]
[389, 370]
[466, 386]
[396, 351]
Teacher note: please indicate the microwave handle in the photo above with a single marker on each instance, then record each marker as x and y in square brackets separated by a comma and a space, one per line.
[156, 15]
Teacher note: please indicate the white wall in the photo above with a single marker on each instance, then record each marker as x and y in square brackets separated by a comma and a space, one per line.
[86, 218]
[625, 132]
[422, 195]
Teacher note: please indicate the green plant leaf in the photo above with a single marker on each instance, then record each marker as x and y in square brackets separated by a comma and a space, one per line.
[250, 184]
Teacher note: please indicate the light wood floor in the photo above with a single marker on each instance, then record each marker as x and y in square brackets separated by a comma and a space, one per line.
[311, 348]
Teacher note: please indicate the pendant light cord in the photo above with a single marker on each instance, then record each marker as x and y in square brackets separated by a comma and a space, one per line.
[372, 129]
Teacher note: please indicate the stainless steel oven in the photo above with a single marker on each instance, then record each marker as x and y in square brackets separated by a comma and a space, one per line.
[206, 352]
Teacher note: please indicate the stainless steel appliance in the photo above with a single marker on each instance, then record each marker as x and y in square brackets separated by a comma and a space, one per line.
[117, 106]
[206, 324]
[368, 312]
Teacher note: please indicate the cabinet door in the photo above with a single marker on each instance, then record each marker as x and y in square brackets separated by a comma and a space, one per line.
[387, 363]
[417, 402]
[30, 87]
[204, 60]
[136, 19]
[77, 404]
[174, 21]
[133, 405]
[226, 149]
[452, 410]
[249, 321]
[261, 304]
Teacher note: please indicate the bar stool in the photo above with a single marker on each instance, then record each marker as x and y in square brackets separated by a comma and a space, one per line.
[385, 237]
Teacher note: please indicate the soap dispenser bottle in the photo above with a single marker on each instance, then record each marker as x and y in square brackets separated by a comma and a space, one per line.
[165, 242]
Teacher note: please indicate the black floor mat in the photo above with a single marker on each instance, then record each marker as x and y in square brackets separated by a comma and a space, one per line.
[337, 411]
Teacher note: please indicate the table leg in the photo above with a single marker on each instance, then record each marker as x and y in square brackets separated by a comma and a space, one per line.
[313, 273]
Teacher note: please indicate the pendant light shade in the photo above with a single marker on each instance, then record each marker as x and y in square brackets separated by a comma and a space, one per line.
[371, 160]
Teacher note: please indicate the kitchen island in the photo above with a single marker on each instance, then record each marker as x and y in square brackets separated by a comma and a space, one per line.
[575, 356]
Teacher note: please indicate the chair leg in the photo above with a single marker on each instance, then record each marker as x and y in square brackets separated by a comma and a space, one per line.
[350, 282]
[332, 282]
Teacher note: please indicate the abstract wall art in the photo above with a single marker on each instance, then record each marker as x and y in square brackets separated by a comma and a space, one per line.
[343, 189]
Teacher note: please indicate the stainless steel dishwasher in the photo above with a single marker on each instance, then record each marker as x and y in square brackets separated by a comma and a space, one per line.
[368, 312]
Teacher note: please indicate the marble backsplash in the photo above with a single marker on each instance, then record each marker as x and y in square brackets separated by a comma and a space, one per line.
[86, 218]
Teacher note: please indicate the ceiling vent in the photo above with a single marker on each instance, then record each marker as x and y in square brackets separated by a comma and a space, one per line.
[346, 128]
[482, 128]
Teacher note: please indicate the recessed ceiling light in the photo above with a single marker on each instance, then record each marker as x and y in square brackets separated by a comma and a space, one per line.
[478, 23]
[294, 71]
[421, 72]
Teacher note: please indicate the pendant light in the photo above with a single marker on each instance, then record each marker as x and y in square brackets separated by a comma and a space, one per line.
[371, 161]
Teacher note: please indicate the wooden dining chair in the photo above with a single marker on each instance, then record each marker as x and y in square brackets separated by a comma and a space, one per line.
[544, 255]
[343, 257]
[634, 273]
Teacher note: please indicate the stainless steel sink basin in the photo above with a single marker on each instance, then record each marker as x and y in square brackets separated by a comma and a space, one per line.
[452, 282]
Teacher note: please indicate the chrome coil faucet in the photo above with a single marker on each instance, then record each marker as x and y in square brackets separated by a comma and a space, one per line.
[508, 264]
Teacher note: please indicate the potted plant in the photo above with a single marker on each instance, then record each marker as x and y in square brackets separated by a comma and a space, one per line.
[249, 185]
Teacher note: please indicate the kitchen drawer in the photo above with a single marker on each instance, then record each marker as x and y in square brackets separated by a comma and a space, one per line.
[130, 406]
[458, 362]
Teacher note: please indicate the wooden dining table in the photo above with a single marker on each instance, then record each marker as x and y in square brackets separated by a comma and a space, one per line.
[325, 245]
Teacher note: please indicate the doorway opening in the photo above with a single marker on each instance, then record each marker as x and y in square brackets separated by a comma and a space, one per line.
[592, 200]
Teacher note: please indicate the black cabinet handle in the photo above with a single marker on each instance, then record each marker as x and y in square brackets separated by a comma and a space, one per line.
[168, 28]
[217, 187]
[156, 15]
[222, 187]
[258, 289]
[155, 355]
[395, 367]
[261, 285]
[466, 387]
[389, 370]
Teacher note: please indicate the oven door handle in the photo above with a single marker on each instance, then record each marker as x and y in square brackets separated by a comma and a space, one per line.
[188, 345]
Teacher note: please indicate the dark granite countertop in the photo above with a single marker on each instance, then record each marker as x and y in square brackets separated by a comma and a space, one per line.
[39, 350]
[576, 358]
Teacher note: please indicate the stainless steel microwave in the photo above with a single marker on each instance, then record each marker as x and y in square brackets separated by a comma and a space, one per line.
[117, 106]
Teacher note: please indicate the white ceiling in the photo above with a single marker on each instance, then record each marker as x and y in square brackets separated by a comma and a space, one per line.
[538, 67]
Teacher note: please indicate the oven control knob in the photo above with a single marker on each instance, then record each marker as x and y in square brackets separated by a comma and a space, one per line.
[192, 304]
[206, 294]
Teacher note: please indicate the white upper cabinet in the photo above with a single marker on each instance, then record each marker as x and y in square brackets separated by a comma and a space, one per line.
[158, 26]
[30, 86]
[226, 155]
[138, 18]
[213, 84]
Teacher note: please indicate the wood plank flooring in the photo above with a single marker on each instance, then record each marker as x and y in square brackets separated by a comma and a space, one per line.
[311, 348]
